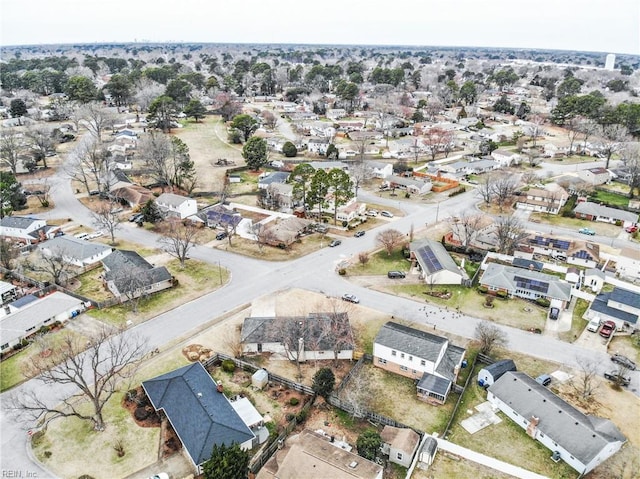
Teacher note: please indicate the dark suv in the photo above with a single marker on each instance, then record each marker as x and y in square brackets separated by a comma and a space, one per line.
[395, 274]
[222, 235]
[616, 377]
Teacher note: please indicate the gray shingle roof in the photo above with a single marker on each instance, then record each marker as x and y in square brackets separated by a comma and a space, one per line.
[411, 341]
[433, 256]
[122, 264]
[498, 368]
[601, 305]
[20, 222]
[624, 296]
[594, 209]
[171, 199]
[584, 437]
[503, 277]
[433, 383]
[200, 415]
[70, 247]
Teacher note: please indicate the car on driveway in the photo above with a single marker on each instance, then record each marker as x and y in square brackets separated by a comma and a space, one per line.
[95, 234]
[607, 329]
[616, 377]
[395, 274]
[554, 313]
[335, 243]
[160, 475]
[587, 231]
[359, 234]
[631, 229]
[623, 361]
[593, 325]
[352, 298]
[386, 214]
[372, 213]
[222, 235]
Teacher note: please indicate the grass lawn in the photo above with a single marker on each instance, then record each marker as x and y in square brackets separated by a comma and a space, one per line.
[67, 441]
[604, 229]
[577, 322]
[380, 263]
[194, 280]
[514, 312]
[505, 441]
[12, 370]
[246, 247]
[610, 198]
[91, 285]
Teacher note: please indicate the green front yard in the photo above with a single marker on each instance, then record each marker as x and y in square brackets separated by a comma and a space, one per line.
[381, 263]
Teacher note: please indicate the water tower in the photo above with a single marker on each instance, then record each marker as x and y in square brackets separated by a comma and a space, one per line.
[610, 61]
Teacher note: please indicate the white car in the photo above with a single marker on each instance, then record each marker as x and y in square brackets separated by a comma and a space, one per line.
[97, 234]
[593, 325]
[387, 214]
[352, 298]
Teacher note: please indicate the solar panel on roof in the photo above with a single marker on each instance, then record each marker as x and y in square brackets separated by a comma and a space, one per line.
[531, 284]
[562, 244]
[429, 257]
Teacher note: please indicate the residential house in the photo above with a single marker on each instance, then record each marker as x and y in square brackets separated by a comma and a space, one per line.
[595, 212]
[267, 179]
[318, 146]
[595, 176]
[380, 169]
[133, 195]
[430, 359]
[580, 440]
[400, 444]
[128, 275]
[8, 292]
[482, 236]
[621, 306]
[584, 253]
[470, 167]
[410, 185]
[351, 210]
[314, 456]
[524, 283]
[336, 113]
[544, 201]
[199, 412]
[25, 229]
[76, 251]
[31, 315]
[284, 232]
[494, 371]
[436, 264]
[222, 217]
[579, 253]
[628, 263]
[594, 279]
[505, 157]
[176, 206]
[572, 275]
[279, 196]
[329, 165]
[317, 336]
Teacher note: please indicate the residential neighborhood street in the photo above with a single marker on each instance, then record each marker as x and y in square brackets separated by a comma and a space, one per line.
[251, 278]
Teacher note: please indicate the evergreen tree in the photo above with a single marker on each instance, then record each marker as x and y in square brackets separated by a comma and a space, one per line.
[227, 462]
[368, 444]
[323, 382]
[255, 153]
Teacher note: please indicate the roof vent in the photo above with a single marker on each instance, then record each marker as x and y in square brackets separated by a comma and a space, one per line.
[353, 464]
[199, 395]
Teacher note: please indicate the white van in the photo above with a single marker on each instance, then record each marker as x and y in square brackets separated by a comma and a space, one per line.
[594, 324]
[81, 235]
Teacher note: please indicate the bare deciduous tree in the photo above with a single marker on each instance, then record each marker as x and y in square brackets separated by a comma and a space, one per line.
[612, 140]
[466, 226]
[534, 128]
[53, 264]
[490, 337]
[390, 239]
[178, 239]
[107, 218]
[96, 372]
[503, 188]
[232, 341]
[357, 394]
[360, 172]
[8, 254]
[264, 235]
[97, 119]
[485, 188]
[90, 163]
[586, 382]
[41, 142]
[11, 145]
[509, 232]
[363, 258]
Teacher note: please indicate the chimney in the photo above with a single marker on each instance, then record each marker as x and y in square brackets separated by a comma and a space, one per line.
[219, 388]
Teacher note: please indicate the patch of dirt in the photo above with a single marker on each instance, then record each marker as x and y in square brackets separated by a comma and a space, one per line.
[197, 352]
[140, 400]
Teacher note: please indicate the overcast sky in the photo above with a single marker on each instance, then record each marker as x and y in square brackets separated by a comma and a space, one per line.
[587, 25]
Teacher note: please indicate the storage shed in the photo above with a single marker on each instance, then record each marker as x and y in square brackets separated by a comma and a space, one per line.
[490, 374]
[260, 378]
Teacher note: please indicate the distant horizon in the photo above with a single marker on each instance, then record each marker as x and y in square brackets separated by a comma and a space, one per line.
[606, 26]
[352, 45]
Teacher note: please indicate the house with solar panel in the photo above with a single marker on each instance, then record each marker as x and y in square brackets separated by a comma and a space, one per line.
[200, 413]
[220, 216]
[525, 283]
[435, 263]
[579, 253]
[431, 360]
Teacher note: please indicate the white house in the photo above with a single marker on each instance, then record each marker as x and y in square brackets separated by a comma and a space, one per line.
[594, 279]
[76, 251]
[410, 185]
[544, 201]
[351, 211]
[27, 320]
[494, 371]
[26, 229]
[595, 176]
[580, 440]
[173, 205]
[628, 263]
[299, 338]
[436, 264]
[318, 146]
[430, 359]
[621, 306]
[400, 444]
[505, 157]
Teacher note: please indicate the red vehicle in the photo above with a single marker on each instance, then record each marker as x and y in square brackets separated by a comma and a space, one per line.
[607, 329]
[631, 229]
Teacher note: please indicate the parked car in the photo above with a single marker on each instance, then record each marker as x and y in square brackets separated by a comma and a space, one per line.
[135, 217]
[593, 325]
[81, 235]
[607, 329]
[372, 212]
[95, 234]
[587, 231]
[386, 214]
[623, 361]
[631, 229]
[222, 235]
[544, 379]
[160, 475]
[616, 377]
[554, 313]
[395, 274]
[359, 234]
[335, 243]
[352, 298]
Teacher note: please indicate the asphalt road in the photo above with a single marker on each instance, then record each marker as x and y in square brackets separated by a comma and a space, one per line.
[251, 278]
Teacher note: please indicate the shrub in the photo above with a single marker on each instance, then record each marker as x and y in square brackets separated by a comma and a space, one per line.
[289, 417]
[228, 366]
[342, 271]
[483, 290]
[502, 294]
[301, 416]
[47, 454]
[289, 149]
[141, 413]
[294, 401]
[85, 476]
[131, 395]
[544, 302]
